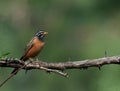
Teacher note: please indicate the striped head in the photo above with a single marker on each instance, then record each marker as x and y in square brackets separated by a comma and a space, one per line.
[41, 34]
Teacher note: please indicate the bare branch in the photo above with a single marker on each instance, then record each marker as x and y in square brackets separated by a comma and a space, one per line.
[15, 63]
[55, 67]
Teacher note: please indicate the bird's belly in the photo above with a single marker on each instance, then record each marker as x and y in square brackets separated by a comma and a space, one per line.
[34, 51]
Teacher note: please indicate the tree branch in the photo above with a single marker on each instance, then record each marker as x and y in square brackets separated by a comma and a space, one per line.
[55, 67]
[16, 63]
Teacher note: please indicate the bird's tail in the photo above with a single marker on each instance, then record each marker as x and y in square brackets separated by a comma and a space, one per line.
[15, 71]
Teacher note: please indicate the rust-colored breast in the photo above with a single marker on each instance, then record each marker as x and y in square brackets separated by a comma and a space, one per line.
[35, 49]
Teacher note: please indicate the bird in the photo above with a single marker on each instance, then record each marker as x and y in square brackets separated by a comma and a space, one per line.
[33, 48]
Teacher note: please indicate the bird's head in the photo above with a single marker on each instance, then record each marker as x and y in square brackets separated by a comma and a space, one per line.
[41, 34]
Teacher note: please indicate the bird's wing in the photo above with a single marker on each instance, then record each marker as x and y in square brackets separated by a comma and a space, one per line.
[28, 47]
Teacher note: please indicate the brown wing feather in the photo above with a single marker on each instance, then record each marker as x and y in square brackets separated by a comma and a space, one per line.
[28, 47]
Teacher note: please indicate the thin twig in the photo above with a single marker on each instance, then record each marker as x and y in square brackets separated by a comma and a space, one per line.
[55, 71]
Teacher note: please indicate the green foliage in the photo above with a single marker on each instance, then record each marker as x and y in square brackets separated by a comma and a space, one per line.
[2, 55]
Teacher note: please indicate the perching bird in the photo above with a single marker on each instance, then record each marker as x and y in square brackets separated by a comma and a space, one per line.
[33, 47]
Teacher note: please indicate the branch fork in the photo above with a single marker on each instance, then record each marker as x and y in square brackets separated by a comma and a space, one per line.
[55, 67]
[58, 67]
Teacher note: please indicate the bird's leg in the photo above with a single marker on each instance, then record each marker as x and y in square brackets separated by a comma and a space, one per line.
[36, 59]
[30, 61]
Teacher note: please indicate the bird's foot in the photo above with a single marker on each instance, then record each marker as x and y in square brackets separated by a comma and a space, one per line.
[31, 60]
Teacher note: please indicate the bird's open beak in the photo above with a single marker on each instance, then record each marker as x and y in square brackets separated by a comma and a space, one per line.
[45, 33]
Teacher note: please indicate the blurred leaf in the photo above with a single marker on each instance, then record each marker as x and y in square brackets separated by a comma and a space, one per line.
[2, 55]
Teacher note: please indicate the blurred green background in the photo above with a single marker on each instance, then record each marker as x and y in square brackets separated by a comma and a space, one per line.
[78, 30]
